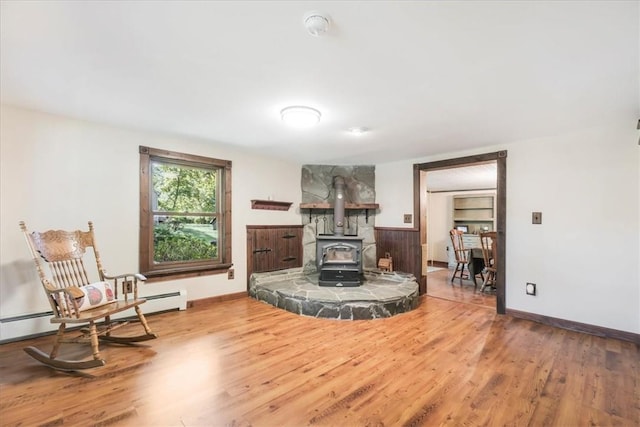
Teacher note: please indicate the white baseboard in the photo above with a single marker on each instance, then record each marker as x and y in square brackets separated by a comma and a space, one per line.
[14, 328]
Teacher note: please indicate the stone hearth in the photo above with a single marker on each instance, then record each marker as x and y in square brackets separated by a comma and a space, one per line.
[382, 294]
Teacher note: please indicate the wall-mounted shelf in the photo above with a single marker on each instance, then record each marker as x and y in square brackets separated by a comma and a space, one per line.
[354, 206]
[346, 205]
[270, 205]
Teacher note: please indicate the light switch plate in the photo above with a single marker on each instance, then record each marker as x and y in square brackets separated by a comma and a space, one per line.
[536, 218]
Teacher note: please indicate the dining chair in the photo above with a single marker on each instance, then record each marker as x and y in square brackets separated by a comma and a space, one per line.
[462, 256]
[488, 241]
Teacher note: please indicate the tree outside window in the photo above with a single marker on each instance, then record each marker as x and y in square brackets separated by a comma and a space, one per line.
[184, 214]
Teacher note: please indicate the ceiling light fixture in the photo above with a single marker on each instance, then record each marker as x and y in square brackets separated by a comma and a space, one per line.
[357, 131]
[317, 23]
[300, 116]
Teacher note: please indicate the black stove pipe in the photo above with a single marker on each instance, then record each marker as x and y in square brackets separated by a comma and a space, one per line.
[338, 207]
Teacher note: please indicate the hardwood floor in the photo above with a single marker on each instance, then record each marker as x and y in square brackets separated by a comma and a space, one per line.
[243, 362]
[439, 286]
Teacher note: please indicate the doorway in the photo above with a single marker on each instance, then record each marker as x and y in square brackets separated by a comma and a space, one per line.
[460, 197]
[421, 204]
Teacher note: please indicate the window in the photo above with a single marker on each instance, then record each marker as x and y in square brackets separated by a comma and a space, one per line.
[185, 214]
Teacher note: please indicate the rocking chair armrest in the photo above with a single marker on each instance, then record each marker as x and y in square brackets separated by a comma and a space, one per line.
[126, 283]
[138, 276]
[71, 291]
[64, 301]
[48, 286]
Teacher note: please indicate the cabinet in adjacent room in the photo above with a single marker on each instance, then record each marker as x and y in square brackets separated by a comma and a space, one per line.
[273, 247]
[474, 214]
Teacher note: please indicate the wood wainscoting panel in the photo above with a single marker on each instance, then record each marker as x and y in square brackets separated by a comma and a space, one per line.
[403, 244]
[273, 247]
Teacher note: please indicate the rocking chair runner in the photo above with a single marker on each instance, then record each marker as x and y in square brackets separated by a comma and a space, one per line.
[75, 300]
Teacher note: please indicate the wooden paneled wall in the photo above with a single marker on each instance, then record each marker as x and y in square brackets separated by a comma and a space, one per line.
[403, 244]
[273, 247]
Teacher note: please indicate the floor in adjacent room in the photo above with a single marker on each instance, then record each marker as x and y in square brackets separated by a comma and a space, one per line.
[439, 285]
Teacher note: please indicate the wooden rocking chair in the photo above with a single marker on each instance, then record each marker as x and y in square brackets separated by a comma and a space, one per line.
[75, 299]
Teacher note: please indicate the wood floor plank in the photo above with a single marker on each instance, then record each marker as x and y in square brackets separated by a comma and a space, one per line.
[246, 363]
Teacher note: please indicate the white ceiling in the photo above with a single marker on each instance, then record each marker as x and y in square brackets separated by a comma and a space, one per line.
[482, 176]
[426, 77]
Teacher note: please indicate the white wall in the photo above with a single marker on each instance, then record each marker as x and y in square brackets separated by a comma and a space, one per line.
[394, 185]
[584, 256]
[439, 222]
[57, 172]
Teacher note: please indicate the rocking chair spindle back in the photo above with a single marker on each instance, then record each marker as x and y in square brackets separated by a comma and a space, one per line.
[77, 298]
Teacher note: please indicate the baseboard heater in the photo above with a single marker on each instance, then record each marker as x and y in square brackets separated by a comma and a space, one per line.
[16, 328]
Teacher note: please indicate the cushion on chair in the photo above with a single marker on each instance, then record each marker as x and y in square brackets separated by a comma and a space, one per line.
[93, 295]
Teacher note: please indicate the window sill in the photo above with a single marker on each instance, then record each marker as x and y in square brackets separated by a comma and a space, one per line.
[172, 274]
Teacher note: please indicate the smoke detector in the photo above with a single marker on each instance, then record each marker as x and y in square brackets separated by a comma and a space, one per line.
[317, 23]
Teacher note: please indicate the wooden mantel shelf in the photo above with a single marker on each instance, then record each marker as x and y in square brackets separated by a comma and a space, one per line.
[270, 205]
[346, 206]
[365, 206]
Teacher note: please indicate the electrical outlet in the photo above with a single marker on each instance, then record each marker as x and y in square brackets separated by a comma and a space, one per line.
[536, 217]
[531, 288]
[128, 286]
[230, 274]
[407, 218]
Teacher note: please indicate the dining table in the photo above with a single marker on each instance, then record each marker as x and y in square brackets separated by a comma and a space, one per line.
[476, 265]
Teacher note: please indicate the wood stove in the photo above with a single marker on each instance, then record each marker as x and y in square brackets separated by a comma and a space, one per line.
[339, 260]
[339, 257]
